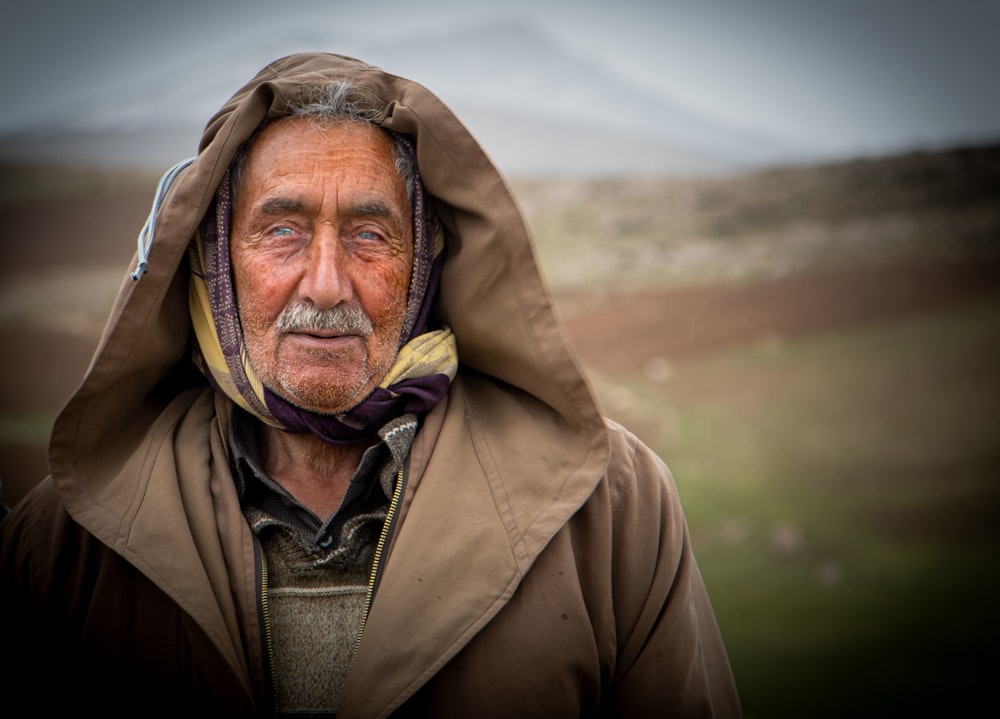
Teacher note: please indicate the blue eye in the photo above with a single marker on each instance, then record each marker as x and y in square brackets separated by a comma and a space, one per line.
[282, 231]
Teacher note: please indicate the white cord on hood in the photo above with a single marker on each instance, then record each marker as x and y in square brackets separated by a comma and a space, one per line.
[145, 240]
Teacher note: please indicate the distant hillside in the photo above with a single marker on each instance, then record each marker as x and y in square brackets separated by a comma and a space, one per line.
[629, 234]
[656, 233]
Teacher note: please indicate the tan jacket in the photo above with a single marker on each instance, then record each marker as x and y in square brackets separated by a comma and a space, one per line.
[540, 564]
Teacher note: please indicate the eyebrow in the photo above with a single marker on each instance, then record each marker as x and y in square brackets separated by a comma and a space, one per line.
[375, 208]
[279, 206]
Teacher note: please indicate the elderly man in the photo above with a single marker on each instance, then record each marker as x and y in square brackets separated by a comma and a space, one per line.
[334, 455]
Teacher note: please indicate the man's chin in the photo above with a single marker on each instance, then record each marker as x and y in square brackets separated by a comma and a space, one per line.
[320, 399]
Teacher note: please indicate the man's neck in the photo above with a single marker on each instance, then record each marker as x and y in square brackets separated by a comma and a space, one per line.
[315, 472]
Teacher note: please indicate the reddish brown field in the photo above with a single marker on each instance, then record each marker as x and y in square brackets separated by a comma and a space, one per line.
[614, 333]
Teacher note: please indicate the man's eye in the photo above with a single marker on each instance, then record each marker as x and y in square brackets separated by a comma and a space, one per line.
[368, 236]
[282, 232]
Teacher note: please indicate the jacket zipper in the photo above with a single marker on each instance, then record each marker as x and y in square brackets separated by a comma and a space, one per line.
[377, 561]
[265, 613]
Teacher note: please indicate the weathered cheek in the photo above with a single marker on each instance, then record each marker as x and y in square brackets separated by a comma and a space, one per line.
[258, 289]
[240, 263]
[397, 285]
[401, 278]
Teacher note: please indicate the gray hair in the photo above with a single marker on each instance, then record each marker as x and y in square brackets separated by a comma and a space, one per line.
[338, 102]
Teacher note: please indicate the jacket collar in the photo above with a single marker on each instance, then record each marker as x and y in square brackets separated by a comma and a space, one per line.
[485, 506]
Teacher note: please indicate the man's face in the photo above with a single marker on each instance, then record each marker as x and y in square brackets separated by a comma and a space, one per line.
[321, 223]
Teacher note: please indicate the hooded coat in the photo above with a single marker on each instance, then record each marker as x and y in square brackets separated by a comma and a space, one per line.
[540, 564]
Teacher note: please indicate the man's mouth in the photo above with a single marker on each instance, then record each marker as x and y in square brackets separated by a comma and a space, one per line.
[323, 334]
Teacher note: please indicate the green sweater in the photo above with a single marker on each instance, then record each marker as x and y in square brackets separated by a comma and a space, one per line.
[316, 571]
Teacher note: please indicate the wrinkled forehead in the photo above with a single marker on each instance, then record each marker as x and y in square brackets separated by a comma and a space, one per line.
[302, 128]
[351, 161]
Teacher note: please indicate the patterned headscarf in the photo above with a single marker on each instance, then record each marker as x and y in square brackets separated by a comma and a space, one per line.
[425, 365]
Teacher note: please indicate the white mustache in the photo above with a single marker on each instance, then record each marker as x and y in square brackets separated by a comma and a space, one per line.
[345, 320]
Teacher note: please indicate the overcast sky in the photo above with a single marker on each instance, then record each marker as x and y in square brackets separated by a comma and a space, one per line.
[840, 76]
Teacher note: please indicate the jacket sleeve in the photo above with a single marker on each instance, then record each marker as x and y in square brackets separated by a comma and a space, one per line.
[28, 630]
[671, 657]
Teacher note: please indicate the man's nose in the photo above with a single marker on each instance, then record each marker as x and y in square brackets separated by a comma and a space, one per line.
[325, 281]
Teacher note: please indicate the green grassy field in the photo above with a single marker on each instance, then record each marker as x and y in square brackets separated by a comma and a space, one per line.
[843, 498]
[842, 486]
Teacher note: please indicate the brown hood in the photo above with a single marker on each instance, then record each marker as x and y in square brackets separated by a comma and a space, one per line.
[491, 294]
[512, 501]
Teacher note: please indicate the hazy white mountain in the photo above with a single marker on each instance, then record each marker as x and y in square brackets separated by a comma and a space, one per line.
[537, 107]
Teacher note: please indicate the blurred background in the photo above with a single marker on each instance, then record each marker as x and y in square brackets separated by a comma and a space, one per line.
[772, 228]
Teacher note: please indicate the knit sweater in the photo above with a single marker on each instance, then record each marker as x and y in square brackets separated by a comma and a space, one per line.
[316, 572]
